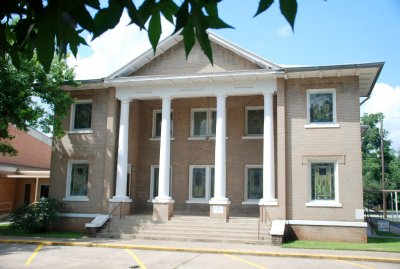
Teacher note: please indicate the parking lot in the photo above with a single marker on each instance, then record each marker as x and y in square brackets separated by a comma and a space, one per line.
[37, 256]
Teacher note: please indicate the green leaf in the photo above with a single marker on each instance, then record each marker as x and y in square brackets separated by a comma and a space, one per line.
[217, 23]
[45, 43]
[84, 19]
[200, 23]
[107, 18]
[168, 8]
[211, 9]
[93, 3]
[154, 30]
[146, 9]
[133, 13]
[189, 38]
[182, 17]
[289, 10]
[263, 5]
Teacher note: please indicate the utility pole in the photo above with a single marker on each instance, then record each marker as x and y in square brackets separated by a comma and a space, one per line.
[383, 173]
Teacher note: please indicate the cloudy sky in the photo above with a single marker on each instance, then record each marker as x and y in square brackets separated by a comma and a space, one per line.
[326, 32]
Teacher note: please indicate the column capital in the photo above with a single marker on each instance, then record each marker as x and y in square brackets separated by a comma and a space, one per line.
[125, 101]
[268, 94]
[221, 95]
[166, 97]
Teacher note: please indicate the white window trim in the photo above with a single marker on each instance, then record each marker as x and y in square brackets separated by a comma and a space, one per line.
[153, 131]
[72, 130]
[311, 125]
[208, 127]
[246, 179]
[68, 196]
[152, 182]
[208, 184]
[323, 203]
[246, 134]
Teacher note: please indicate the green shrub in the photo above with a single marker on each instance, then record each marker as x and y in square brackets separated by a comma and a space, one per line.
[36, 217]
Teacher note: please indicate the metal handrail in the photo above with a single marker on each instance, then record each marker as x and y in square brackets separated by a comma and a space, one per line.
[120, 205]
[262, 219]
[6, 208]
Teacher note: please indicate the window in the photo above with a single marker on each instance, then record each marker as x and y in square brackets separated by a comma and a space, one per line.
[203, 122]
[321, 106]
[254, 182]
[157, 117]
[44, 191]
[77, 180]
[201, 183]
[81, 115]
[254, 121]
[323, 183]
[154, 178]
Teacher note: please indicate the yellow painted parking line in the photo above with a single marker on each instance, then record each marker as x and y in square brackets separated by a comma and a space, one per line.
[35, 252]
[245, 261]
[356, 264]
[138, 261]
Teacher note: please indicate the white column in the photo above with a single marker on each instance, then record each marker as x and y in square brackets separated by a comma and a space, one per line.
[220, 153]
[268, 152]
[165, 153]
[122, 165]
[36, 189]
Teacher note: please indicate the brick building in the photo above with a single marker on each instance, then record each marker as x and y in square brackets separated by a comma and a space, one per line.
[170, 135]
[25, 178]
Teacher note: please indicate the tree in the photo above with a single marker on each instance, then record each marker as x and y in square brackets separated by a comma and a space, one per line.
[371, 159]
[58, 25]
[22, 91]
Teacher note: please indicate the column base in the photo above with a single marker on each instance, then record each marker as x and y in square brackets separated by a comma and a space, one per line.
[163, 210]
[219, 209]
[268, 202]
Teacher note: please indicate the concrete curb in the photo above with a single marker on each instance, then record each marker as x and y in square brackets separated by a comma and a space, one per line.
[203, 250]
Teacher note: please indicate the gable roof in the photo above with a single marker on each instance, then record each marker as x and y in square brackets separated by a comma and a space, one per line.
[171, 41]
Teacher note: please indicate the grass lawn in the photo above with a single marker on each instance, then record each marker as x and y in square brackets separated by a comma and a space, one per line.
[5, 229]
[374, 244]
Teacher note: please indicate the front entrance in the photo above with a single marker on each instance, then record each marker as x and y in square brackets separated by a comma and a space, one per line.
[27, 194]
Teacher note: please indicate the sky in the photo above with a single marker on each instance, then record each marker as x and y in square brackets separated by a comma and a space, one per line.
[325, 33]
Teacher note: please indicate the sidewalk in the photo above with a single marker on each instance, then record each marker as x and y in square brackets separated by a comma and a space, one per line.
[214, 248]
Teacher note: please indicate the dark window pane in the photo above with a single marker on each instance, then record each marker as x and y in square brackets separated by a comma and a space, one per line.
[254, 183]
[83, 116]
[157, 131]
[79, 179]
[212, 171]
[323, 181]
[321, 107]
[213, 122]
[199, 183]
[255, 122]
[44, 191]
[156, 177]
[200, 123]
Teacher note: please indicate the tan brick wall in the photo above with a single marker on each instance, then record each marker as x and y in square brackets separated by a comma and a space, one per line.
[31, 151]
[99, 148]
[173, 61]
[343, 142]
[328, 233]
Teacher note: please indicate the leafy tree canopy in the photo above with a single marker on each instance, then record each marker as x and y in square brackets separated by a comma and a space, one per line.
[57, 25]
[21, 93]
[371, 159]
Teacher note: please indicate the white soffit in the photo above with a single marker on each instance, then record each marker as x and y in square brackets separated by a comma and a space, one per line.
[367, 73]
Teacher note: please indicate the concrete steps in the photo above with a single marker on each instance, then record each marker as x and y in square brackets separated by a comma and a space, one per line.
[188, 228]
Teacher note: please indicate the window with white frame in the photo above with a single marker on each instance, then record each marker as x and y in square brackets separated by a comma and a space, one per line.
[201, 183]
[323, 183]
[254, 182]
[81, 115]
[154, 180]
[77, 179]
[321, 106]
[254, 121]
[157, 118]
[203, 122]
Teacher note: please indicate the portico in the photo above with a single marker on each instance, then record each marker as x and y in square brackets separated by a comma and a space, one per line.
[219, 87]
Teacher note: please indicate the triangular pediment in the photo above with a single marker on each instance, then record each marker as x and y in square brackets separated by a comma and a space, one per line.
[170, 59]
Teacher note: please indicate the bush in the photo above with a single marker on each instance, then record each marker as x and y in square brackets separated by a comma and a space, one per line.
[36, 217]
